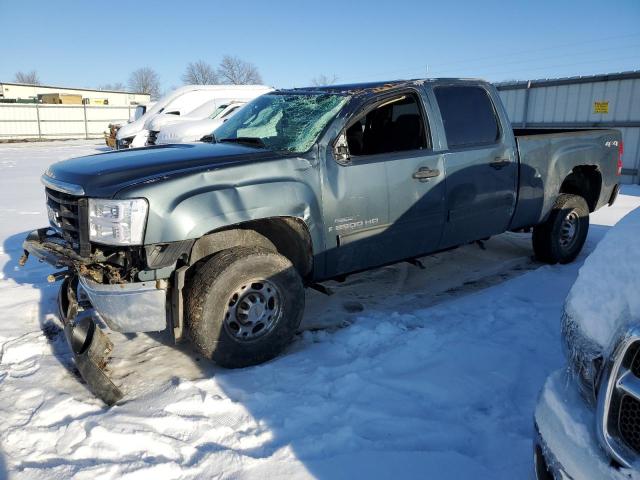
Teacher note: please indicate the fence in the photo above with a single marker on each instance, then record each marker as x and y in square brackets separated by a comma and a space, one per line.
[41, 121]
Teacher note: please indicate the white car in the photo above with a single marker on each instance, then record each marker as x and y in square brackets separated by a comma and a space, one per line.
[180, 102]
[195, 130]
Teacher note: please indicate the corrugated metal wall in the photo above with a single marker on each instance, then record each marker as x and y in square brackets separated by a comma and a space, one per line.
[571, 102]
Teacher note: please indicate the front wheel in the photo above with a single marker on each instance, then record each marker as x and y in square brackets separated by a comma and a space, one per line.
[243, 306]
[561, 238]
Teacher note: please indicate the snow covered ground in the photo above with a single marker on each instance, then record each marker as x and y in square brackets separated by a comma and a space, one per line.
[403, 373]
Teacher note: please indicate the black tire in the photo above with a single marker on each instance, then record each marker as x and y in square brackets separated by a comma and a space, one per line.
[235, 291]
[552, 242]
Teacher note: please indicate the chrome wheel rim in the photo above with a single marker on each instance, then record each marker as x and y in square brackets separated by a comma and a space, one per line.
[253, 309]
[569, 230]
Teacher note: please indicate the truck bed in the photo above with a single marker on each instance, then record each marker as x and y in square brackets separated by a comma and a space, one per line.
[527, 132]
[548, 156]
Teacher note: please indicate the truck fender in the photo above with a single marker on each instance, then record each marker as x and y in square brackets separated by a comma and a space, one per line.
[198, 213]
[217, 241]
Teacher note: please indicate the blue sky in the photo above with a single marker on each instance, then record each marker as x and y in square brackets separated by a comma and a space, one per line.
[85, 44]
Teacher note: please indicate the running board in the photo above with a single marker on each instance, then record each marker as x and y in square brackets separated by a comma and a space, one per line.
[318, 287]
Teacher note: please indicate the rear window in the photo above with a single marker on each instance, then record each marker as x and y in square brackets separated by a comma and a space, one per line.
[468, 116]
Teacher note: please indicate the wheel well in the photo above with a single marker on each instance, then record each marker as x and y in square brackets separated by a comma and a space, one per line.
[585, 181]
[288, 236]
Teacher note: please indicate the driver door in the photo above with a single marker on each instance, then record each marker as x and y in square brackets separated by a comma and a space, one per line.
[384, 201]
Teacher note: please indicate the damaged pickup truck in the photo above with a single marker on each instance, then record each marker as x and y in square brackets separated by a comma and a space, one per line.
[216, 242]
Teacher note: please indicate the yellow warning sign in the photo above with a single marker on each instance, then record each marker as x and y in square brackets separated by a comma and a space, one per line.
[601, 107]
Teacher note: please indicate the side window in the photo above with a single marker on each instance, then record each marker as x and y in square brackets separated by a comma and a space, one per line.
[468, 116]
[218, 111]
[395, 125]
[230, 111]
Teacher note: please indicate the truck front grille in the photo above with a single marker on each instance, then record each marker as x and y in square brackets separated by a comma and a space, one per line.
[629, 421]
[68, 216]
[153, 137]
[619, 402]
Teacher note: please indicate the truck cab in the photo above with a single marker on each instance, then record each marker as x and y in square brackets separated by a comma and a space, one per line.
[394, 155]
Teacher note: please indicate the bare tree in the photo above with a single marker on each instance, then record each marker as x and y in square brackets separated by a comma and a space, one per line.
[145, 80]
[235, 71]
[200, 73]
[322, 80]
[30, 78]
[116, 86]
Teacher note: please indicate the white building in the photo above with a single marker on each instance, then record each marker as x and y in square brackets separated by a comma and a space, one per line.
[23, 117]
[20, 91]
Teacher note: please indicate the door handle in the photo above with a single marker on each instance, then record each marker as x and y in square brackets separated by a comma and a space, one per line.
[499, 163]
[425, 173]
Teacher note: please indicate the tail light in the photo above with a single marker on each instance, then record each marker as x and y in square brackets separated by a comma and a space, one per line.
[620, 152]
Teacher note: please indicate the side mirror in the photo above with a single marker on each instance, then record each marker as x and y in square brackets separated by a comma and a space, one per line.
[341, 150]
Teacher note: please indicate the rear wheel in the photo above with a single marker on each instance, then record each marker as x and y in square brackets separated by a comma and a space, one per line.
[561, 238]
[243, 306]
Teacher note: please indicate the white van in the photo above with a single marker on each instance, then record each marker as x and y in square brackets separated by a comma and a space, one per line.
[194, 130]
[180, 102]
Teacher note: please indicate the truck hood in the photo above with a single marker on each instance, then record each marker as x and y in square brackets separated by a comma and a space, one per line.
[157, 122]
[105, 174]
[133, 128]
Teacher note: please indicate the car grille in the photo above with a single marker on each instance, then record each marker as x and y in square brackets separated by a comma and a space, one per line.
[619, 402]
[153, 137]
[68, 216]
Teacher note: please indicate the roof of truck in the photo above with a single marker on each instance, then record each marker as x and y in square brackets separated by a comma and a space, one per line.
[353, 88]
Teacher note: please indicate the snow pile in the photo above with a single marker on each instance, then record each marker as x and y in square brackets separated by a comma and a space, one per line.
[606, 295]
[414, 373]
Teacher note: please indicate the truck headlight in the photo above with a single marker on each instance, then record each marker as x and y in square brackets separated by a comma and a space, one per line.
[117, 222]
[584, 359]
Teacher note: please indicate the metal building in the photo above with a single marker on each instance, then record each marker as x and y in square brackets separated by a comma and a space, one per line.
[606, 101]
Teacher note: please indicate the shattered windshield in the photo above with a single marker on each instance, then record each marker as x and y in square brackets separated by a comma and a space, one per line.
[282, 121]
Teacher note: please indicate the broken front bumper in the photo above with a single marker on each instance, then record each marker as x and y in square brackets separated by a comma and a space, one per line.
[128, 307]
[90, 346]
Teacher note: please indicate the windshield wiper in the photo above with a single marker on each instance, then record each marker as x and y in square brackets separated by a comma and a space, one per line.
[253, 141]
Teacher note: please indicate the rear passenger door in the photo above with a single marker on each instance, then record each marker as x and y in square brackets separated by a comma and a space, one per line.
[480, 164]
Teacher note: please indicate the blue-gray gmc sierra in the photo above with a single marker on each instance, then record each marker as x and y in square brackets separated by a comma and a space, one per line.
[216, 241]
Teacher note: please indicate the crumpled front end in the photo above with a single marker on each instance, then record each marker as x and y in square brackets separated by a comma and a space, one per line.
[90, 346]
[87, 299]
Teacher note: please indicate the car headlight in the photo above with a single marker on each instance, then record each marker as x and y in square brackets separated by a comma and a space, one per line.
[584, 358]
[117, 222]
[124, 142]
